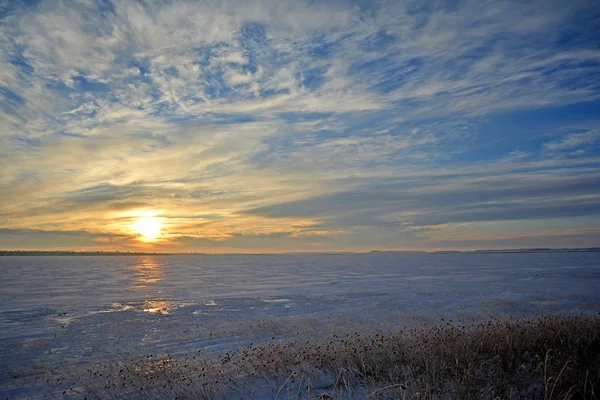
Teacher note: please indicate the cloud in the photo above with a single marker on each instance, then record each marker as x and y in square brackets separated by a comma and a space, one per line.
[409, 204]
[296, 120]
[572, 141]
[26, 239]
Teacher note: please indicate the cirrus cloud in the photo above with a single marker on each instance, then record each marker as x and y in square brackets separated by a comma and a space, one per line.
[341, 125]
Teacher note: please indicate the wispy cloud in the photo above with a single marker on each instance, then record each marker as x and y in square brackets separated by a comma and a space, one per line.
[581, 139]
[337, 124]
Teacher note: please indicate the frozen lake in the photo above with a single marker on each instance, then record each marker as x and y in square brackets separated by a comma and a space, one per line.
[63, 312]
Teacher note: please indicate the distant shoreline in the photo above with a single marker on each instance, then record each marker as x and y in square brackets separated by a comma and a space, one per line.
[127, 253]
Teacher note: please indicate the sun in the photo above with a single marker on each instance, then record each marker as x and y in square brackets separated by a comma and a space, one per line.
[148, 227]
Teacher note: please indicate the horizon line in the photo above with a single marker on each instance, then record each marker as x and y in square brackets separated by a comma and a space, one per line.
[135, 253]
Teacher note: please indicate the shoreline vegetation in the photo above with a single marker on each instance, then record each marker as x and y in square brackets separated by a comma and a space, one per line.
[550, 357]
[134, 253]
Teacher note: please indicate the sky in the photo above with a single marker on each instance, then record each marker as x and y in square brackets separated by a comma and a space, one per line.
[273, 126]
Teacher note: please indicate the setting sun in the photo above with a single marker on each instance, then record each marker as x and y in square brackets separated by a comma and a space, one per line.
[148, 227]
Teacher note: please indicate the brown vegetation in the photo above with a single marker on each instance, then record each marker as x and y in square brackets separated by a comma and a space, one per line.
[554, 357]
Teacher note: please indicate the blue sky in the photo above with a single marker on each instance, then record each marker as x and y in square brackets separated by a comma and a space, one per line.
[300, 125]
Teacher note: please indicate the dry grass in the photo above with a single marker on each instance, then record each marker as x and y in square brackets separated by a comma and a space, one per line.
[555, 357]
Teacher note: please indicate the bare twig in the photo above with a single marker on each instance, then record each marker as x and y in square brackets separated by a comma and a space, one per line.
[545, 375]
[385, 388]
[284, 383]
[300, 387]
[558, 377]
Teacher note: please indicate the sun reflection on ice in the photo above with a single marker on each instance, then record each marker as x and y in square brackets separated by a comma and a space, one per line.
[147, 275]
[146, 272]
[156, 306]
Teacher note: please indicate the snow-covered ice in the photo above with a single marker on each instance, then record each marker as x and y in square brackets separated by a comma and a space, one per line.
[64, 312]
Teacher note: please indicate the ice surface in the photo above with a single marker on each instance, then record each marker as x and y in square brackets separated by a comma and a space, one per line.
[64, 312]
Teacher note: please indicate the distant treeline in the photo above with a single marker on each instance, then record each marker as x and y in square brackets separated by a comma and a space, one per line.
[542, 250]
[76, 253]
[129, 253]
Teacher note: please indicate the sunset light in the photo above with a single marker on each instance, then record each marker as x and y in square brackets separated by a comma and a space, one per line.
[268, 199]
[148, 227]
[285, 126]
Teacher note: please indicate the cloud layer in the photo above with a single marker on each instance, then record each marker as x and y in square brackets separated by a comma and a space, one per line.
[291, 125]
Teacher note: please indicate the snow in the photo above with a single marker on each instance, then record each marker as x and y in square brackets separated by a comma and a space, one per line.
[64, 312]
